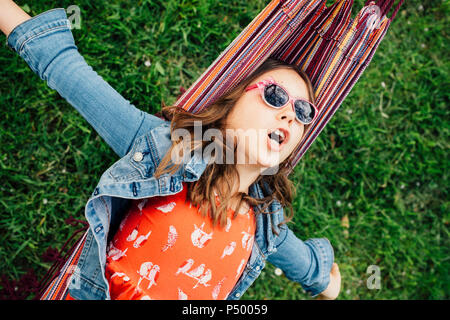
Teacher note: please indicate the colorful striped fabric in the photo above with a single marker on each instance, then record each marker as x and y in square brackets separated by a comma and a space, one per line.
[58, 288]
[326, 42]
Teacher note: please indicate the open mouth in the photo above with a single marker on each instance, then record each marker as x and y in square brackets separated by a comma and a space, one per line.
[277, 139]
[279, 136]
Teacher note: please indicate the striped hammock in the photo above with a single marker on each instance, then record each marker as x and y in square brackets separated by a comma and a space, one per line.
[330, 46]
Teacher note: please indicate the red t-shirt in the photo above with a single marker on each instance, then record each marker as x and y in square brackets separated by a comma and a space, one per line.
[165, 249]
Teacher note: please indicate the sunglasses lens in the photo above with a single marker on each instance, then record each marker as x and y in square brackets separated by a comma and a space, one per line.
[275, 95]
[304, 111]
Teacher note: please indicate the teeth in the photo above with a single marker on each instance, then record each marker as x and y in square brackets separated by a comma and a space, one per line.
[280, 133]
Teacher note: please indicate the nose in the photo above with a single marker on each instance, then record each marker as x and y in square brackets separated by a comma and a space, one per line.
[286, 113]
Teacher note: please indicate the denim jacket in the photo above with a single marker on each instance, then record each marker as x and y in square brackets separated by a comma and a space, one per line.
[140, 139]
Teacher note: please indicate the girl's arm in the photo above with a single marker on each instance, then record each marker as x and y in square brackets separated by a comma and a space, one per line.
[46, 43]
[11, 15]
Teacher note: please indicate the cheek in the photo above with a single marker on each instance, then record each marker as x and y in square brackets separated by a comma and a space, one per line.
[300, 133]
[296, 138]
[236, 116]
[248, 113]
[297, 133]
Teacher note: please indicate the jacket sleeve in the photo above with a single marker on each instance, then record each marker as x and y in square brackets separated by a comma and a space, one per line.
[47, 45]
[306, 262]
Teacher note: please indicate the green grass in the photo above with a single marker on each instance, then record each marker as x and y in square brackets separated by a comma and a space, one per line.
[382, 160]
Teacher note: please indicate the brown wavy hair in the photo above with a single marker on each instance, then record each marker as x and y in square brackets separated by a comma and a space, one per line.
[217, 175]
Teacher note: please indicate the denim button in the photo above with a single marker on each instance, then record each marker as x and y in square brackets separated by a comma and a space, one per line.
[98, 229]
[257, 268]
[138, 156]
[238, 295]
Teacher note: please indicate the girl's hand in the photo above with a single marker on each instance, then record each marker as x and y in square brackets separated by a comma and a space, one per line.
[11, 15]
[332, 291]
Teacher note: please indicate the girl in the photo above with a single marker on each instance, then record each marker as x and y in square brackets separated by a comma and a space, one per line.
[170, 220]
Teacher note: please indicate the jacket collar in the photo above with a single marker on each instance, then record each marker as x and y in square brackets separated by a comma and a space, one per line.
[194, 168]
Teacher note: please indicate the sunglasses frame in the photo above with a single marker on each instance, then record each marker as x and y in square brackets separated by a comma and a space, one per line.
[264, 83]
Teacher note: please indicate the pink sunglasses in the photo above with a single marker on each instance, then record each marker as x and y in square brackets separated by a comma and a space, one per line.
[275, 96]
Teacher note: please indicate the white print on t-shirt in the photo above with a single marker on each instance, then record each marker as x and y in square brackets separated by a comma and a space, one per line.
[150, 272]
[204, 278]
[199, 237]
[141, 205]
[114, 253]
[247, 240]
[227, 228]
[198, 273]
[141, 240]
[132, 236]
[185, 266]
[216, 290]
[124, 277]
[167, 207]
[245, 213]
[239, 269]
[171, 238]
[182, 295]
[228, 249]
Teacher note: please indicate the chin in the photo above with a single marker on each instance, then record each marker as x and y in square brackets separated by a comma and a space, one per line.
[269, 170]
[272, 160]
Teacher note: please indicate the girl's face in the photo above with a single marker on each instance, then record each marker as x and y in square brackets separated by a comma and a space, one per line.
[256, 119]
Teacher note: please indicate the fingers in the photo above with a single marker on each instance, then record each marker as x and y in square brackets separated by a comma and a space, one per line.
[334, 287]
